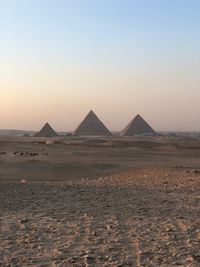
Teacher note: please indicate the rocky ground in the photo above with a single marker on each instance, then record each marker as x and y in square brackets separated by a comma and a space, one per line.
[138, 218]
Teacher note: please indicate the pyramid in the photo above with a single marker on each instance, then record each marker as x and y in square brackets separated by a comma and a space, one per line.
[46, 131]
[138, 126]
[92, 126]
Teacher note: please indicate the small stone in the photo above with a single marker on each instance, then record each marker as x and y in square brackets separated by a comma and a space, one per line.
[72, 260]
[190, 258]
[24, 220]
[94, 233]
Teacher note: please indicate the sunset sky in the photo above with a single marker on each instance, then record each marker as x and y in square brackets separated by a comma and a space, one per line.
[61, 58]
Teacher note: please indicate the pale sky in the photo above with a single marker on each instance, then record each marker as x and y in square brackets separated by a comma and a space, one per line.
[61, 58]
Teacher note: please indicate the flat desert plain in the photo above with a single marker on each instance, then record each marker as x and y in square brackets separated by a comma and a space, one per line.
[100, 202]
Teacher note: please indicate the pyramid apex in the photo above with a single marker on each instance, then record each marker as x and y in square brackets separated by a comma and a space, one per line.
[91, 112]
[138, 116]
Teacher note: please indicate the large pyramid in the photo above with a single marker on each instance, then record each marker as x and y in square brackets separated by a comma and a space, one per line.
[46, 131]
[138, 126]
[92, 126]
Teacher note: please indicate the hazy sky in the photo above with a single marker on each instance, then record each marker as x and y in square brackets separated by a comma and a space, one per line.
[61, 58]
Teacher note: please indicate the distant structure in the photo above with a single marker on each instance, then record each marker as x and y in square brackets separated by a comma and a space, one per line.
[138, 126]
[46, 131]
[92, 126]
[26, 135]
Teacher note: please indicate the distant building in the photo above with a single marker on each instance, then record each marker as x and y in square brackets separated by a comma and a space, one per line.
[92, 126]
[46, 131]
[26, 135]
[138, 126]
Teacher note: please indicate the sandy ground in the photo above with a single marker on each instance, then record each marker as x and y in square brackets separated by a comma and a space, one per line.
[75, 158]
[143, 217]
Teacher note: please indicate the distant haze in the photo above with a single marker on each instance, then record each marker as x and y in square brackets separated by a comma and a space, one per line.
[60, 59]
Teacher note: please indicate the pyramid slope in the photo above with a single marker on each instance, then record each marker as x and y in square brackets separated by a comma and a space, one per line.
[138, 126]
[46, 131]
[92, 126]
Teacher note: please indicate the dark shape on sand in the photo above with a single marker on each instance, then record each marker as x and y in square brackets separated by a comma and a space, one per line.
[138, 126]
[92, 126]
[46, 131]
[26, 135]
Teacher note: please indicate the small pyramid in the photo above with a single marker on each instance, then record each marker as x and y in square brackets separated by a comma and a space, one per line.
[138, 126]
[46, 131]
[92, 126]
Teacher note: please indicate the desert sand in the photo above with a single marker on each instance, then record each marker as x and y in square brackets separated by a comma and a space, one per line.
[100, 202]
